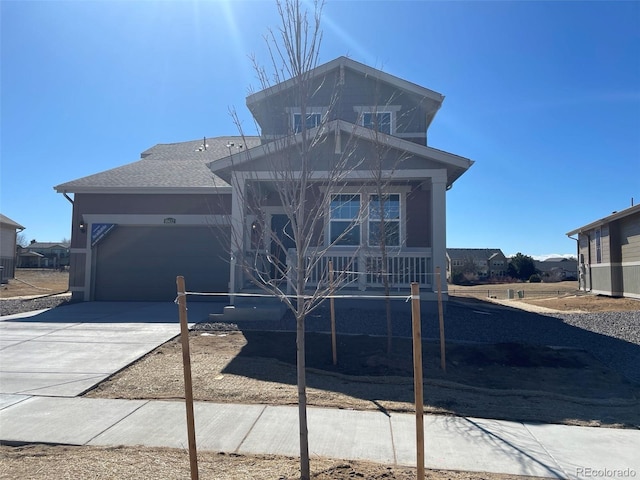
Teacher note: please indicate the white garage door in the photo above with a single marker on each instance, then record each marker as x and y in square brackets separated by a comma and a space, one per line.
[141, 263]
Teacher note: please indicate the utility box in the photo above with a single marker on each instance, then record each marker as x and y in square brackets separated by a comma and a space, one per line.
[510, 294]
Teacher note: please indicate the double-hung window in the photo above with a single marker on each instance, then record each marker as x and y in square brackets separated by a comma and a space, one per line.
[379, 121]
[598, 246]
[312, 120]
[344, 219]
[385, 211]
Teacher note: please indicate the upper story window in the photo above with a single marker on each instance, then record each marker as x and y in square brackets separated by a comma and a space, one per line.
[312, 120]
[313, 117]
[384, 211]
[380, 121]
[598, 246]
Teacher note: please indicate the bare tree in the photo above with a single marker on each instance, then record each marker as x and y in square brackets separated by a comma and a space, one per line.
[21, 240]
[384, 207]
[289, 260]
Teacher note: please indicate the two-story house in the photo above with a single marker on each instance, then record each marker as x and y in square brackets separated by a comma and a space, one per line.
[609, 254]
[483, 263]
[44, 255]
[190, 208]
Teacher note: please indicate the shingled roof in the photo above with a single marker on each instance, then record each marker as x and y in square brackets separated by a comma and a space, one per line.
[474, 253]
[165, 168]
[4, 220]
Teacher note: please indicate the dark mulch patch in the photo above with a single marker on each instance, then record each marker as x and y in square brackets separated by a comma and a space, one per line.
[511, 366]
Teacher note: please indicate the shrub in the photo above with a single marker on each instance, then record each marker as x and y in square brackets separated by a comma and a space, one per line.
[535, 278]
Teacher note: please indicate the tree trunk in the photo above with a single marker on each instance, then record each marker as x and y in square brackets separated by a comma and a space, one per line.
[305, 470]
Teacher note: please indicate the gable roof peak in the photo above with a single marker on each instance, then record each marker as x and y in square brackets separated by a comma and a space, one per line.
[347, 62]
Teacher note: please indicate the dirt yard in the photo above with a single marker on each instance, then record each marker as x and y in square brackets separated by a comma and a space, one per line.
[503, 381]
[40, 462]
[35, 282]
[562, 296]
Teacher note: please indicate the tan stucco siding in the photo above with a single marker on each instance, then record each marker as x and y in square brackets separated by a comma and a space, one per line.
[7, 242]
[630, 239]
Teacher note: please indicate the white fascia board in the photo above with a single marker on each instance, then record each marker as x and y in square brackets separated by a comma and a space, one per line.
[186, 220]
[598, 223]
[147, 190]
[437, 175]
[352, 129]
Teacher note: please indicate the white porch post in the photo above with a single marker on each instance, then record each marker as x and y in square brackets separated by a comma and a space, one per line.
[439, 222]
[237, 231]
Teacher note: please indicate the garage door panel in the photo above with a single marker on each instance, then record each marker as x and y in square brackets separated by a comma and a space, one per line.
[141, 263]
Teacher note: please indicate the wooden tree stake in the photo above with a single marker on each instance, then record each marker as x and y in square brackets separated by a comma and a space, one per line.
[334, 347]
[417, 377]
[443, 362]
[188, 386]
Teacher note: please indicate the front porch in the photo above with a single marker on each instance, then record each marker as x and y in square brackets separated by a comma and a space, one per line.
[362, 270]
[358, 279]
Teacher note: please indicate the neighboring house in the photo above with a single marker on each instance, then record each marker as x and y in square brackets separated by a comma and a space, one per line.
[137, 226]
[44, 255]
[486, 263]
[609, 254]
[8, 235]
[557, 269]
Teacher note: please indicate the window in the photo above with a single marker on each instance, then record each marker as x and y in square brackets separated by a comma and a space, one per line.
[598, 247]
[380, 121]
[386, 208]
[313, 120]
[344, 228]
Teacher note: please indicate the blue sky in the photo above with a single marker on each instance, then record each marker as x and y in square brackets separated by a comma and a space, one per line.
[543, 96]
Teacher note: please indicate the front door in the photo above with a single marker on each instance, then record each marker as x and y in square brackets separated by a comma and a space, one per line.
[282, 241]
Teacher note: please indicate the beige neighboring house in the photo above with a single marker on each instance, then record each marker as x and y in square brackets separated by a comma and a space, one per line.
[609, 254]
[557, 269]
[44, 255]
[488, 262]
[8, 254]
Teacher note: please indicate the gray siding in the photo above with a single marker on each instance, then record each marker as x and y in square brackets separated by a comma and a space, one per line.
[631, 281]
[618, 273]
[630, 239]
[357, 91]
[601, 279]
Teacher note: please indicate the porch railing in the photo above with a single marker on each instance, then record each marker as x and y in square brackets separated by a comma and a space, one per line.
[362, 269]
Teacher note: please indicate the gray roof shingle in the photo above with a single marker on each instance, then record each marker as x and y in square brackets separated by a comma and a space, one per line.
[165, 166]
[475, 253]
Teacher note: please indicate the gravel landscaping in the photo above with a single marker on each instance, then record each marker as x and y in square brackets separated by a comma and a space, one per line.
[11, 306]
[612, 337]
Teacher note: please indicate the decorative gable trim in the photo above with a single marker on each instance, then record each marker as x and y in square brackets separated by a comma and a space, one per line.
[342, 63]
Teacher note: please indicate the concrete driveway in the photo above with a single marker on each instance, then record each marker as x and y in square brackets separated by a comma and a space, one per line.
[65, 351]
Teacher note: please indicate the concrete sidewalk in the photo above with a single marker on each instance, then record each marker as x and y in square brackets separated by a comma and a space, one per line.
[65, 351]
[452, 443]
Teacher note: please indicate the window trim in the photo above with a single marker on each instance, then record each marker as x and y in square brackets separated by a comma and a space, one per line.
[366, 191]
[390, 109]
[598, 245]
[315, 111]
[353, 222]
